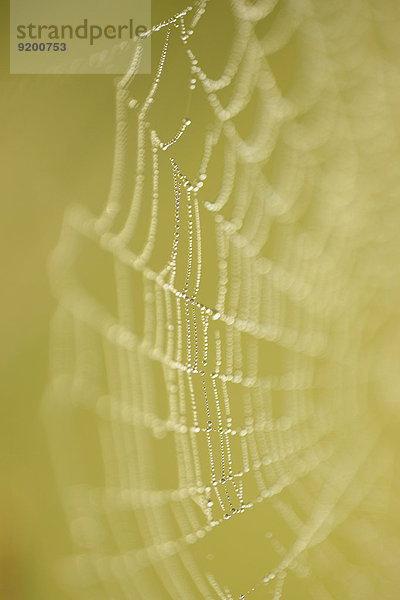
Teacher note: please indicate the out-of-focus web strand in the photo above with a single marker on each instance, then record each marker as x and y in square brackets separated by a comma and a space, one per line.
[252, 297]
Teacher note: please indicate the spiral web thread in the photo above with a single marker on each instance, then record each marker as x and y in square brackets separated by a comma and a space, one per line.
[242, 385]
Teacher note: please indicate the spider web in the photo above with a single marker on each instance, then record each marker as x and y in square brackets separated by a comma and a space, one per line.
[221, 399]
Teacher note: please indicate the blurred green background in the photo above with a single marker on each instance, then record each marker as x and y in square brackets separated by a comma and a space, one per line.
[56, 145]
[50, 128]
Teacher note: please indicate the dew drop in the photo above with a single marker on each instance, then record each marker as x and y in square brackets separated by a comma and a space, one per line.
[159, 433]
[268, 534]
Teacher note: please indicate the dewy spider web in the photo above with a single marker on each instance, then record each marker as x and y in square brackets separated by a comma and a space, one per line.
[222, 388]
